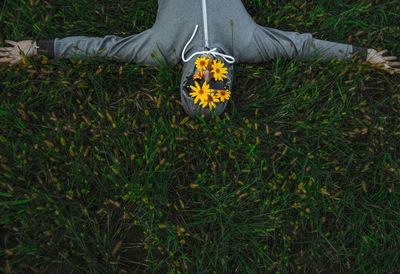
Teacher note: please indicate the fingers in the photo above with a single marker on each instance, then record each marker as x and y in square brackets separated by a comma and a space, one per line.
[4, 53]
[9, 61]
[393, 71]
[390, 58]
[389, 69]
[394, 64]
[382, 52]
[5, 49]
[11, 42]
[6, 60]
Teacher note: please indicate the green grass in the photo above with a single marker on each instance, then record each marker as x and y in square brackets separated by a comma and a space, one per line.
[102, 172]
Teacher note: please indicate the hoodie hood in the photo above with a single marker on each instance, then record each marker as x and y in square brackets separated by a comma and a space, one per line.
[188, 104]
[189, 69]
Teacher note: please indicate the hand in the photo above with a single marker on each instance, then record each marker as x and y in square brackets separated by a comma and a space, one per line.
[386, 63]
[13, 55]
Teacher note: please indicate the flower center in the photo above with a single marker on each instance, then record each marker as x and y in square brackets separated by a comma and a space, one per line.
[202, 63]
[217, 70]
[201, 91]
[223, 93]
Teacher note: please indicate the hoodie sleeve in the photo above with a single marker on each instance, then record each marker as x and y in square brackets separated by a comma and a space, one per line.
[137, 48]
[269, 44]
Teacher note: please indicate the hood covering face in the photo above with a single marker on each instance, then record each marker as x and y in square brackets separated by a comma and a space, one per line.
[192, 109]
[189, 69]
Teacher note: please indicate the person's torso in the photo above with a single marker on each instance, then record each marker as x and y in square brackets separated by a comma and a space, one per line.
[230, 27]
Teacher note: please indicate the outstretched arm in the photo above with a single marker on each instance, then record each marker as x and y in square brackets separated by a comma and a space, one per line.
[136, 48]
[269, 44]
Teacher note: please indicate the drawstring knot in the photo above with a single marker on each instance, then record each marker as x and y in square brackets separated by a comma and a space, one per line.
[229, 59]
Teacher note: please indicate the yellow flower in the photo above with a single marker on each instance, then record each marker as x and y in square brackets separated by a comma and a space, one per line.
[218, 70]
[223, 95]
[199, 75]
[201, 63]
[210, 100]
[200, 93]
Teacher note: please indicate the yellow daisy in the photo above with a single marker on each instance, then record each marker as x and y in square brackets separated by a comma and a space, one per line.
[200, 93]
[210, 100]
[218, 70]
[223, 95]
[201, 63]
[199, 75]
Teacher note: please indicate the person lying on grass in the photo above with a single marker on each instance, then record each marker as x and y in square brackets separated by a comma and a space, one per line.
[209, 37]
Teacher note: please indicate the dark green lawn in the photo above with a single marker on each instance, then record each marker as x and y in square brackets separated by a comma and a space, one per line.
[101, 171]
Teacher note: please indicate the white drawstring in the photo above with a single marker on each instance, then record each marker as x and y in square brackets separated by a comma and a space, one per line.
[229, 59]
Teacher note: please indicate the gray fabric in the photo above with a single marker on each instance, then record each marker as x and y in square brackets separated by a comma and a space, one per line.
[230, 28]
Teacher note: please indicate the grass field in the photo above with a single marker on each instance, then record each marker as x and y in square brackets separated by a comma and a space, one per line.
[101, 171]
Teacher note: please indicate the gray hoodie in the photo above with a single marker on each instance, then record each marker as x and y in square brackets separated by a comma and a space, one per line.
[229, 27]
